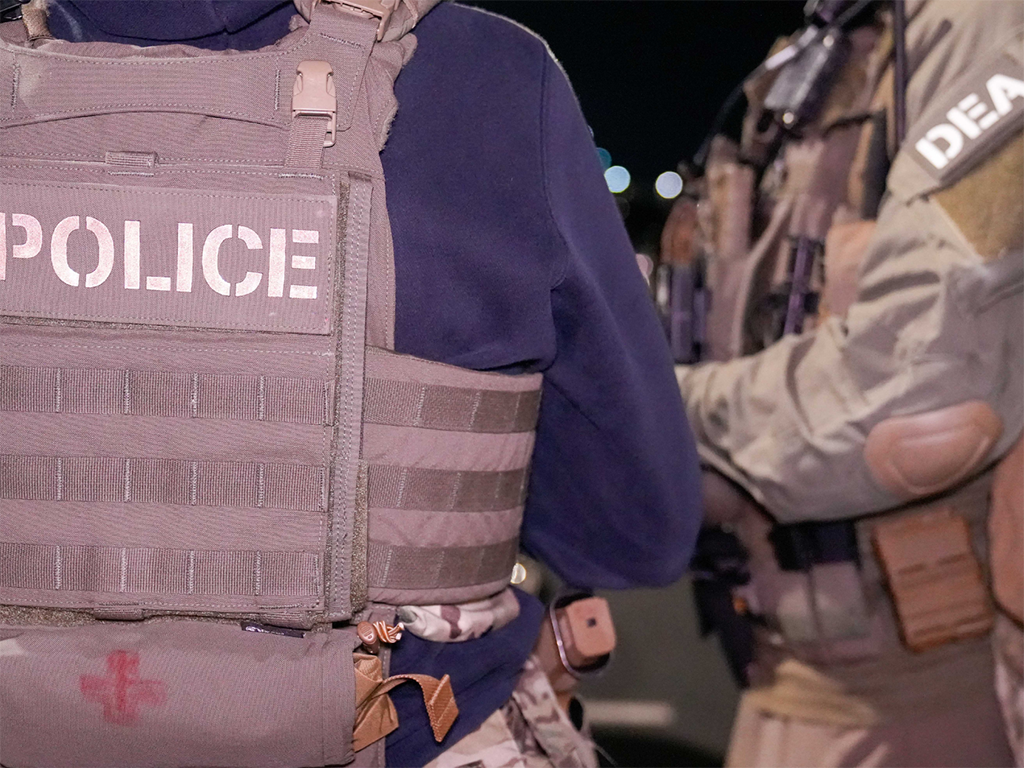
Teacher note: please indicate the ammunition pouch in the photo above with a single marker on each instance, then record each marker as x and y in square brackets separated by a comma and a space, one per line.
[934, 579]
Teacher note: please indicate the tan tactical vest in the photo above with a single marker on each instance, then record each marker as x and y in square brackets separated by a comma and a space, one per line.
[201, 411]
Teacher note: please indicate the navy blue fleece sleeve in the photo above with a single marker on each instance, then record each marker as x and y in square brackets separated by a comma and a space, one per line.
[614, 497]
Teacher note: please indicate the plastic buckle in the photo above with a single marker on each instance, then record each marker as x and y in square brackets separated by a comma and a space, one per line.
[314, 94]
[381, 9]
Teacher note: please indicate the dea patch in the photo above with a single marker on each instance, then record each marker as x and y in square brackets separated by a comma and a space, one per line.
[986, 108]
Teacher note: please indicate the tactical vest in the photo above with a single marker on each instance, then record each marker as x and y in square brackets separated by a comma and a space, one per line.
[201, 409]
[833, 615]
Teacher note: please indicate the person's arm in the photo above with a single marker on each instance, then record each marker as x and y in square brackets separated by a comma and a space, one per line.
[614, 496]
[936, 324]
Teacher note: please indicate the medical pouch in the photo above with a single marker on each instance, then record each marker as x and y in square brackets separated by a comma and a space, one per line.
[176, 693]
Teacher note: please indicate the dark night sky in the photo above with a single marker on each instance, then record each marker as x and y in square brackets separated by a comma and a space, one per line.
[651, 74]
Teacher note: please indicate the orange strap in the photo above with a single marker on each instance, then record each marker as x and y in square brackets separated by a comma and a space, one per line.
[375, 713]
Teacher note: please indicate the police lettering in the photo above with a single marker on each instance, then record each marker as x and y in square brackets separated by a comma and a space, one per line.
[969, 119]
[183, 282]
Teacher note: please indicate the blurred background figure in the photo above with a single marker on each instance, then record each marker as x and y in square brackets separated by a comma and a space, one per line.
[857, 257]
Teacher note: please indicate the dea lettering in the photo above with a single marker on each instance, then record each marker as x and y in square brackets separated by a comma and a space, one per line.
[970, 119]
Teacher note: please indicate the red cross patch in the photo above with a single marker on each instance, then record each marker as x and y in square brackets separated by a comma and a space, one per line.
[121, 691]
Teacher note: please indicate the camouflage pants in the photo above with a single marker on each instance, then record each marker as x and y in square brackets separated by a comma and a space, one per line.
[530, 731]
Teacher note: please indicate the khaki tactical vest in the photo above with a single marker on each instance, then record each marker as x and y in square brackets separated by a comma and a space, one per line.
[202, 417]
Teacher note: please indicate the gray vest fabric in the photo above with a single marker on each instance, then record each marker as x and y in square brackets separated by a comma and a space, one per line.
[202, 413]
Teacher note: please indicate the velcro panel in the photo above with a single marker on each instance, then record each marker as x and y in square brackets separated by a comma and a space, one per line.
[185, 248]
[153, 458]
[971, 119]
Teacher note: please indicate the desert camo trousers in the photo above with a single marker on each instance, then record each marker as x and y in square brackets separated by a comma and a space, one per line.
[530, 731]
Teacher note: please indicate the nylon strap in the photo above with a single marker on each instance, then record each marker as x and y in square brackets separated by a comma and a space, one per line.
[394, 487]
[135, 570]
[170, 394]
[410, 404]
[306, 141]
[163, 481]
[399, 567]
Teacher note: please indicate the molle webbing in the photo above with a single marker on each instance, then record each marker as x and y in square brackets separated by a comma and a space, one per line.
[446, 528]
[165, 393]
[432, 528]
[447, 477]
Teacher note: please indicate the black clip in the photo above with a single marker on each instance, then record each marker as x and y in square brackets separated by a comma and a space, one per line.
[10, 10]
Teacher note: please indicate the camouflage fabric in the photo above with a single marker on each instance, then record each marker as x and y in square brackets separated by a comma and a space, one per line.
[458, 623]
[530, 731]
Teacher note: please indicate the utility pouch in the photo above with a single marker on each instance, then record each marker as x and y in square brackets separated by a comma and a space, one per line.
[175, 693]
[934, 577]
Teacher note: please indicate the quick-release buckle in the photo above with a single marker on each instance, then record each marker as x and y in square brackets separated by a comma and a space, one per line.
[381, 9]
[313, 95]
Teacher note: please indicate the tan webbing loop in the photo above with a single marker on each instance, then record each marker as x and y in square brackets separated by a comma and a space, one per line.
[375, 713]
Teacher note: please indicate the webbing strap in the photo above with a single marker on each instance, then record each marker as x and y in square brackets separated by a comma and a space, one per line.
[430, 406]
[403, 567]
[306, 141]
[394, 487]
[128, 570]
[186, 394]
[163, 481]
[165, 393]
